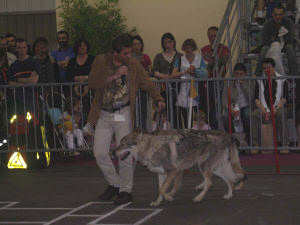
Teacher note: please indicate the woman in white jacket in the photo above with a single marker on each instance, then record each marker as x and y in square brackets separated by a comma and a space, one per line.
[190, 65]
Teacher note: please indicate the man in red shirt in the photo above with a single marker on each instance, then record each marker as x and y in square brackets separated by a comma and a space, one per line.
[207, 52]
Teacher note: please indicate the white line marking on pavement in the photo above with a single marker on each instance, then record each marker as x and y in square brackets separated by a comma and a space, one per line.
[24, 222]
[4, 202]
[146, 218]
[108, 214]
[68, 213]
[8, 205]
[139, 209]
[102, 202]
[37, 208]
[84, 215]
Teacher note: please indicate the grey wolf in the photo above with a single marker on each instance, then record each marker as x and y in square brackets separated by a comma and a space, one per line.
[170, 152]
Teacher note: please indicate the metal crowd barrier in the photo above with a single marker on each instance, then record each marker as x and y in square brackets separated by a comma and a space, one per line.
[40, 121]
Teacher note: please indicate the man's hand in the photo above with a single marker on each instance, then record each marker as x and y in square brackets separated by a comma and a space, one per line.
[64, 63]
[123, 70]
[161, 106]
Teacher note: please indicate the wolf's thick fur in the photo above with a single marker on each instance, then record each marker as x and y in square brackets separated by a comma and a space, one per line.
[170, 152]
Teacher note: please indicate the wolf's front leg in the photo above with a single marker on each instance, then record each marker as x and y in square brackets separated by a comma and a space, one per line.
[177, 184]
[163, 189]
[207, 183]
[200, 186]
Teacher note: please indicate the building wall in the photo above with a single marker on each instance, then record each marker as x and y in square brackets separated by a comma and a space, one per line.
[185, 19]
[26, 5]
[29, 19]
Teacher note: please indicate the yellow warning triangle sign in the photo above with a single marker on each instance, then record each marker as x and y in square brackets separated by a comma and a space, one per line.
[16, 161]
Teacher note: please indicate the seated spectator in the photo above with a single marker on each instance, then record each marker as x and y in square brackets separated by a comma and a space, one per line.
[191, 64]
[163, 66]
[264, 101]
[223, 53]
[223, 56]
[67, 122]
[277, 37]
[269, 5]
[11, 58]
[24, 71]
[200, 121]
[241, 97]
[41, 54]
[62, 56]
[137, 52]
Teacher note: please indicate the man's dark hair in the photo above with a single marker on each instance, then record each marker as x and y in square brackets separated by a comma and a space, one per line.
[8, 35]
[78, 43]
[120, 42]
[139, 38]
[268, 61]
[40, 40]
[279, 6]
[21, 40]
[63, 32]
[189, 42]
[240, 67]
[212, 28]
[167, 36]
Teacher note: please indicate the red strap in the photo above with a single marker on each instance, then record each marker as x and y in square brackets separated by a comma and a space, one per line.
[273, 123]
[229, 110]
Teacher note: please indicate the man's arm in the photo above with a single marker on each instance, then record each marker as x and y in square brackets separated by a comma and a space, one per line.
[33, 79]
[279, 92]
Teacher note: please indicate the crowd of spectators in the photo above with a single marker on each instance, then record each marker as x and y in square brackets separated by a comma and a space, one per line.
[22, 65]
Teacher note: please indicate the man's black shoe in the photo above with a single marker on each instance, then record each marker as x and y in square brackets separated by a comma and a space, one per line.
[109, 193]
[122, 198]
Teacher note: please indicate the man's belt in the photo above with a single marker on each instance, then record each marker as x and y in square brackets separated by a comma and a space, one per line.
[112, 110]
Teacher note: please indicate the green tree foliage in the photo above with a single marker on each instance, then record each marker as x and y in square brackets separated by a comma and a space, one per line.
[98, 24]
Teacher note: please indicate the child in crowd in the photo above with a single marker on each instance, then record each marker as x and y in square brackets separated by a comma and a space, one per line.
[200, 121]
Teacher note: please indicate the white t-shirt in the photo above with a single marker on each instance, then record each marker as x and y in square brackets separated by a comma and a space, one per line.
[183, 98]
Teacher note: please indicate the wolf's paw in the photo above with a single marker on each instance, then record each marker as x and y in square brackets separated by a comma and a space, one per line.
[228, 196]
[155, 203]
[168, 197]
[197, 199]
[200, 186]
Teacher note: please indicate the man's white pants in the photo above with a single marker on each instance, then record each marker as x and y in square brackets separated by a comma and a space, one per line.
[274, 52]
[105, 128]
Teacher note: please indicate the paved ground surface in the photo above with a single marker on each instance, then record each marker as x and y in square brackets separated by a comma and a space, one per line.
[67, 194]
